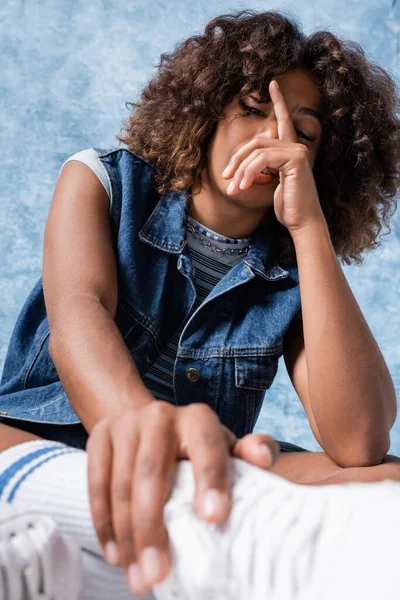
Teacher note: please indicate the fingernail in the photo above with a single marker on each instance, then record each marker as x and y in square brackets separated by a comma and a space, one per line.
[225, 171]
[230, 187]
[265, 451]
[212, 502]
[152, 564]
[135, 579]
[111, 553]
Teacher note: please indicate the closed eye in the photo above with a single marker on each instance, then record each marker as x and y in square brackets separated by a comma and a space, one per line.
[250, 109]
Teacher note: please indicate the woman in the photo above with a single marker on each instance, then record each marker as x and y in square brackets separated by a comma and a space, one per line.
[135, 294]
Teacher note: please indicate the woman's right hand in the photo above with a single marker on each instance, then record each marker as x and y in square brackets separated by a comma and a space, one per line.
[131, 467]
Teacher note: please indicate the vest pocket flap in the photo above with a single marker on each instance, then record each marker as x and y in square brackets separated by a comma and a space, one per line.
[256, 372]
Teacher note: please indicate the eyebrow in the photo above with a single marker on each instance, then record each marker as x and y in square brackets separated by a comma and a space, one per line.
[300, 110]
[305, 110]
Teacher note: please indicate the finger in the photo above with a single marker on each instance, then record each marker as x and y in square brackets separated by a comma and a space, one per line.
[233, 186]
[256, 143]
[258, 449]
[231, 438]
[99, 450]
[286, 128]
[240, 154]
[266, 158]
[125, 443]
[154, 469]
[207, 448]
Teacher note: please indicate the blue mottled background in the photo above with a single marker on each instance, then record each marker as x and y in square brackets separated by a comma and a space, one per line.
[67, 69]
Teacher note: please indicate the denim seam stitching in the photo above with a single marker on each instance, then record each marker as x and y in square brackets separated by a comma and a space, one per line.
[219, 352]
[34, 360]
[247, 387]
[143, 321]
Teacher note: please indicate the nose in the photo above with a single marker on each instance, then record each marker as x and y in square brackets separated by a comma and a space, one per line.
[270, 128]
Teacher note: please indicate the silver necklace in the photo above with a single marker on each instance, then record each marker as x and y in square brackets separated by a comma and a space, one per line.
[207, 244]
[213, 248]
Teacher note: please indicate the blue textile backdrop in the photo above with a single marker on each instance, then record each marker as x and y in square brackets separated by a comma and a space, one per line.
[67, 69]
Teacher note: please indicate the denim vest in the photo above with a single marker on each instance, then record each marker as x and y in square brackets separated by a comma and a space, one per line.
[229, 349]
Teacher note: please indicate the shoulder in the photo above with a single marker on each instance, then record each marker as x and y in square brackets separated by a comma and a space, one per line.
[125, 154]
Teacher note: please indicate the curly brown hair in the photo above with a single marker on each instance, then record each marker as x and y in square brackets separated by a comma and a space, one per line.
[357, 167]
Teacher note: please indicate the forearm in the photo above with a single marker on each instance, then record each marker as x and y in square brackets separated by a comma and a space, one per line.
[93, 362]
[351, 391]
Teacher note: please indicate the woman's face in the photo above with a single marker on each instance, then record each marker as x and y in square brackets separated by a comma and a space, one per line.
[299, 89]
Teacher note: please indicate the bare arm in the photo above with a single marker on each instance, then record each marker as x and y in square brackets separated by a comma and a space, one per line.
[94, 365]
[80, 288]
[352, 396]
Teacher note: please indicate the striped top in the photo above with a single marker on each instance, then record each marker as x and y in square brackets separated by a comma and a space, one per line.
[209, 267]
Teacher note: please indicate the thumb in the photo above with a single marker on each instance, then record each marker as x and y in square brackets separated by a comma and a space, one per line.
[258, 449]
[231, 438]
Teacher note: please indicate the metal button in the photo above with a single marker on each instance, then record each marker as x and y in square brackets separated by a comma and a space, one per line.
[192, 374]
[148, 358]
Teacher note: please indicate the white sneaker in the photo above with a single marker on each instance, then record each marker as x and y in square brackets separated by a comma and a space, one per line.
[284, 541]
[36, 561]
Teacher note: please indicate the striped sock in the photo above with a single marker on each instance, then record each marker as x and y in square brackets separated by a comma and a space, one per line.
[51, 478]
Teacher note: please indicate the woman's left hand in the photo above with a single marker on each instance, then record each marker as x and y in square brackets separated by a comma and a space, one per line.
[296, 201]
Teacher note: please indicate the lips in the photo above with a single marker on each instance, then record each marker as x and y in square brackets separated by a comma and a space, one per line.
[273, 171]
[261, 178]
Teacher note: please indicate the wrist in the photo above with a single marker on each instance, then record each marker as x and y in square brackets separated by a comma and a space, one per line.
[133, 402]
[313, 227]
[139, 400]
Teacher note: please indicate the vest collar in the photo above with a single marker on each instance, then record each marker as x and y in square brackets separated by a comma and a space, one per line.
[165, 229]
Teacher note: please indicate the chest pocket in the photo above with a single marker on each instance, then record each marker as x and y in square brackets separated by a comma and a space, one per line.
[256, 372]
